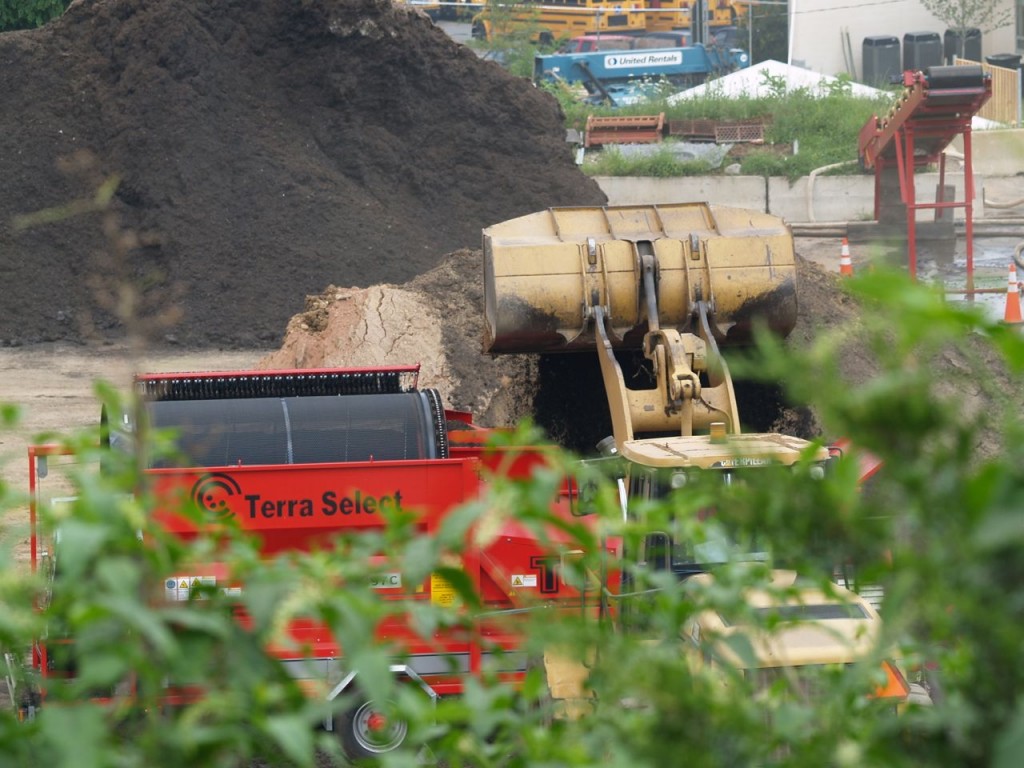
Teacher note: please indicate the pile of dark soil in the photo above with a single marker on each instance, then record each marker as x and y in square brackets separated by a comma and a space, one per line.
[262, 150]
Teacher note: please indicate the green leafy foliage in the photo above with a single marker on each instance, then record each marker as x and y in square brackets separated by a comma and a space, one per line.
[662, 163]
[946, 577]
[939, 529]
[28, 14]
[765, 28]
[963, 15]
[514, 36]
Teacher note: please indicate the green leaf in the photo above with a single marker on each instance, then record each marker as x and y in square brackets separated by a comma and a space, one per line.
[79, 544]
[294, 735]
[10, 415]
[78, 735]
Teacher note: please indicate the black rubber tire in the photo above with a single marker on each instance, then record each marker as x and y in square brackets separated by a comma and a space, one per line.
[366, 732]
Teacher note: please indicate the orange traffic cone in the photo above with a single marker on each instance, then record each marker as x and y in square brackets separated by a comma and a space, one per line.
[845, 265]
[1012, 313]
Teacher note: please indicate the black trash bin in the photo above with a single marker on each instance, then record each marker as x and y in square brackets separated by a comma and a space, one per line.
[921, 50]
[1005, 60]
[881, 58]
[972, 44]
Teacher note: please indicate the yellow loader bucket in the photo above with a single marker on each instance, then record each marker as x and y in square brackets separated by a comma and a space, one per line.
[543, 270]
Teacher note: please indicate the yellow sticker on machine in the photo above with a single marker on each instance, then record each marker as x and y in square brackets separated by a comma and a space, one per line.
[441, 591]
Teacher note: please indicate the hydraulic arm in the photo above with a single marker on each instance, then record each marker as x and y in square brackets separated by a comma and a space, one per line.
[676, 282]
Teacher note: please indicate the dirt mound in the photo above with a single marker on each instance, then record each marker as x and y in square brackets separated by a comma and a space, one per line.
[435, 320]
[264, 150]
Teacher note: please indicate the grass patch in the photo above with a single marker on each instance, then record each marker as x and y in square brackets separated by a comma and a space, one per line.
[823, 129]
[660, 163]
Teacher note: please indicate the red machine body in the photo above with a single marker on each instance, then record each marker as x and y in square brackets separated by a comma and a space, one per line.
[303, 506]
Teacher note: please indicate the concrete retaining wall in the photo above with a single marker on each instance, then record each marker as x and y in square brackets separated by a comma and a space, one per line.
[740, 191]
[997, 158]
[822, 199]
[996, 153]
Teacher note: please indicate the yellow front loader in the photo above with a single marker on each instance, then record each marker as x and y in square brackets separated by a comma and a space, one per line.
[677, 282]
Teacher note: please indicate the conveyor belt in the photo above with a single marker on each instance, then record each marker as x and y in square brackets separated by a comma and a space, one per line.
[936, 106]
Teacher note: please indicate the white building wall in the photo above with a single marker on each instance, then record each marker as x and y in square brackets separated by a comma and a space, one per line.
[820, 30]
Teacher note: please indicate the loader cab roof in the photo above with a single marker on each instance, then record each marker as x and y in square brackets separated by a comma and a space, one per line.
[813, 626]
[736, 451]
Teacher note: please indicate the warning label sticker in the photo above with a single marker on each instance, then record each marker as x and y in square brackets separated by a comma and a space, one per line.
[181, 588]
[524, 580]
[441, 591]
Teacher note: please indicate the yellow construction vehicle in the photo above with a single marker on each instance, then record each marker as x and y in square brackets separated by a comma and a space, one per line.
[816, 630]
[678, 282]
[554, 20]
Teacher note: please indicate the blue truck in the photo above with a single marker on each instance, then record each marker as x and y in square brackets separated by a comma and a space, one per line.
[621, 77]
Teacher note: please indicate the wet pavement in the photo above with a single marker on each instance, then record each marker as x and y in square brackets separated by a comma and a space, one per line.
[992, 259]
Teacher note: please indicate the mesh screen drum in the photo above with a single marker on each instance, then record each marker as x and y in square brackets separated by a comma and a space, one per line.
[302, 430]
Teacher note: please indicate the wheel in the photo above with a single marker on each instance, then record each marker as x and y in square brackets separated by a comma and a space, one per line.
[368, 730]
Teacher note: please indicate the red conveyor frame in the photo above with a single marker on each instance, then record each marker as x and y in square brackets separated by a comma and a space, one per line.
[928, 116]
